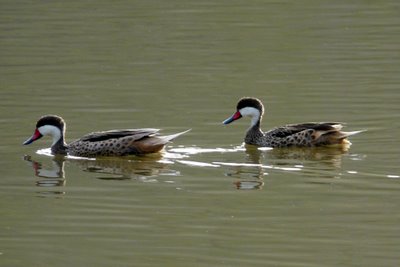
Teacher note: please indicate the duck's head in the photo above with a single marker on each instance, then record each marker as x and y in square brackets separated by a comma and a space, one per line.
[247, 107]
[52, 125]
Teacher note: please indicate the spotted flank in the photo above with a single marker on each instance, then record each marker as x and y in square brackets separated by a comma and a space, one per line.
[302, 135]
[107, 143]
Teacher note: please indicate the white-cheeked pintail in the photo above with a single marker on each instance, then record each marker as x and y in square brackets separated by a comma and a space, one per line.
[106, 143]
[309, 134]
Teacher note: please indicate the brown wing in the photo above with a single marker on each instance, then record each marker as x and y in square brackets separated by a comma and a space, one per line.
[116, 134]
[292, 129]
[153, 143]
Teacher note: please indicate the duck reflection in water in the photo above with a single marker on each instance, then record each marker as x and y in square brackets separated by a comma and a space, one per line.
[260, 161]
[53, 176]
[145, 169]
[330, 157]
[250, 173]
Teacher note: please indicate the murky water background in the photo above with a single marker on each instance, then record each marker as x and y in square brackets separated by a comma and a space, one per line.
[206, 201]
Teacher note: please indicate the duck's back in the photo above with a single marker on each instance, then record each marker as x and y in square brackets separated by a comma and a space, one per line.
[304, 134]
[116, 143]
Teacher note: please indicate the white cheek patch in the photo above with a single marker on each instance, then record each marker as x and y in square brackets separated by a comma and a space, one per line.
[51, 130]
[251, 112]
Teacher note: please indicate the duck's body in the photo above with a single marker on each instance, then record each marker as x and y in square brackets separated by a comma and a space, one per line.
[304, 134]
[107, 143]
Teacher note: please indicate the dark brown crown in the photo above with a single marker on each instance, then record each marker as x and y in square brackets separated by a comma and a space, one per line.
[52, 120]
[250, 102]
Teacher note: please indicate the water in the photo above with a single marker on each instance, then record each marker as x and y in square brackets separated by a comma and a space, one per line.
[207, 200]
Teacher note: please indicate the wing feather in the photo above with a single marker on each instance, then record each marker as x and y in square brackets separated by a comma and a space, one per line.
[115, 134]
[292, 129]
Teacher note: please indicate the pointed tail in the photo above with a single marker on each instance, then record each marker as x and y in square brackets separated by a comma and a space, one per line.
[168, 138]
[154, 143]
[347, 134]
[333, 137]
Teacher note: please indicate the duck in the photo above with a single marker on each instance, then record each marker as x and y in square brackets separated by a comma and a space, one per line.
[310, 134]
[103, 143]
